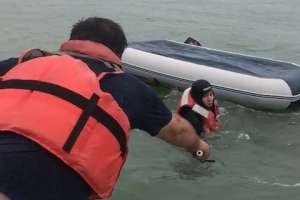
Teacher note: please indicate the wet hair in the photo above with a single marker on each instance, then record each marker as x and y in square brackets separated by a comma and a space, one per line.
[101, 30]
[192, 41]
[199, 89]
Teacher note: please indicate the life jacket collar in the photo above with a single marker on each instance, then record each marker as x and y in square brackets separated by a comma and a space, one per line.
[92, 49]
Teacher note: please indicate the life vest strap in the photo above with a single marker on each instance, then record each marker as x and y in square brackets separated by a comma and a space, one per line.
[80, 123]
[95, 64]
[76, 99]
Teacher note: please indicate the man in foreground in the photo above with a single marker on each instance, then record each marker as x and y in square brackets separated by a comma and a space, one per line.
[65, 117]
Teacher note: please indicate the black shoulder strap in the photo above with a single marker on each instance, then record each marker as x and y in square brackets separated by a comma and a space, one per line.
[96, 65]
[34, 53]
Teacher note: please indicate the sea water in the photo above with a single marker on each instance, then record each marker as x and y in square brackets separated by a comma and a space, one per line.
[256, 152]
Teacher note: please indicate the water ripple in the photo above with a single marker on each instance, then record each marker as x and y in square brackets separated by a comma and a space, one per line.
[260, 181]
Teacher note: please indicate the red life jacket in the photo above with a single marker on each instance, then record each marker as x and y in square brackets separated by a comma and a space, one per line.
[210, 118]
[56, 101]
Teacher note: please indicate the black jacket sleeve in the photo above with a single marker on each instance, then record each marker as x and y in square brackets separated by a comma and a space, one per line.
[6, 65]
[194, 118]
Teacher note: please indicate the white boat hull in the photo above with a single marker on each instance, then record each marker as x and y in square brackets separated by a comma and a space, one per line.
[244, 89]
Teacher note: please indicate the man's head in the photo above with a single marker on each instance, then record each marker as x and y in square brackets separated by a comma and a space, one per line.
[202, 93]
[101, 30]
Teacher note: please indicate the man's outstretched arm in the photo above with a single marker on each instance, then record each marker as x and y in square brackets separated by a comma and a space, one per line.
[180, 132]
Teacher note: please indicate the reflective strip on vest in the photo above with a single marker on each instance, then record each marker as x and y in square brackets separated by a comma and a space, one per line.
[185, 97]
[187, 100]
[200, 110]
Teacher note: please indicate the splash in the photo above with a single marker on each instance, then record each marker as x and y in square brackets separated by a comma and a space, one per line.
[243, 136]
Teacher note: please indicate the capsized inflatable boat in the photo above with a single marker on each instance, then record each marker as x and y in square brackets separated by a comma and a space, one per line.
[247, 80]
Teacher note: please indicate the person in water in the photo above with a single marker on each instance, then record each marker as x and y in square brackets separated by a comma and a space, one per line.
[66, 117]
[192, 41]
[199, 106]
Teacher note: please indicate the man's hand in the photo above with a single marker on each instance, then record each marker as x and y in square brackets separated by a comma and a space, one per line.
[181, 133]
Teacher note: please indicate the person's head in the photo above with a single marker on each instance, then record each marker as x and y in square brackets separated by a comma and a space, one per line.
[192, 41]
[202, 93]
[101, 30]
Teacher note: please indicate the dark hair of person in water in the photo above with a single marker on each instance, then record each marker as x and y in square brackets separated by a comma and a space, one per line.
[192, 41]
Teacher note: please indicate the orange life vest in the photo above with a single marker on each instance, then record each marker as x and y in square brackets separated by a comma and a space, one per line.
[210, 118]
[56, 101]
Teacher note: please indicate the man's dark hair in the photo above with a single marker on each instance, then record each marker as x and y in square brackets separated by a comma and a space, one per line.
[101, 30]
